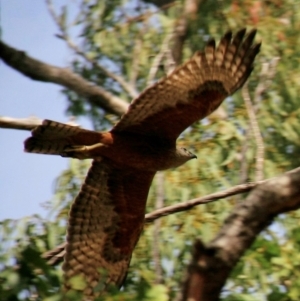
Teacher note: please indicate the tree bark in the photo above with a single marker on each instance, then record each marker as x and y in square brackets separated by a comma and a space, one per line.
[212, 264]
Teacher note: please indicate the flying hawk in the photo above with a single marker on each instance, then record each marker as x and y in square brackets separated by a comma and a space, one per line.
[106, 218]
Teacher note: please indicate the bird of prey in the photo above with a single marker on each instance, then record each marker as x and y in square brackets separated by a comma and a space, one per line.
[106, 218]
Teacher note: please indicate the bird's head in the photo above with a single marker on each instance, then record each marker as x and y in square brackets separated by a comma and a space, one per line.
[183, 155]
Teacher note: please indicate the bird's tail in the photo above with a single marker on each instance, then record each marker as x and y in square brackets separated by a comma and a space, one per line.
[55, 138]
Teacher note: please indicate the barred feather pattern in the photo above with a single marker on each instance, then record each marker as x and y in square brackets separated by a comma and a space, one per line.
[92, 222]
[104, 226]
[53, 138]
[193, 90]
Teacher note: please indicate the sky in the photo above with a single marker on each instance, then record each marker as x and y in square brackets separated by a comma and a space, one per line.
[27, 180]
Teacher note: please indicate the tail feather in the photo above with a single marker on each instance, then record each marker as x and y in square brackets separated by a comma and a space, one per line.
[53, 138]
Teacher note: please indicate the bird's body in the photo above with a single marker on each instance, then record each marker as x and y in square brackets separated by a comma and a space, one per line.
[107, 216]
[127, 150]
[136, 151]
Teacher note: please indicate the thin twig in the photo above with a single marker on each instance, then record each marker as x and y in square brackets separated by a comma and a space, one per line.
[244, 163]
[170, 63]
[267, 73]
[164, 49]
[156, 229]
[260, 148]
[126, 86]
[161, 7]
[135, 61]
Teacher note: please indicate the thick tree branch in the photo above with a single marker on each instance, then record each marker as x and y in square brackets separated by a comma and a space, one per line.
[212, 264]
[40, 71]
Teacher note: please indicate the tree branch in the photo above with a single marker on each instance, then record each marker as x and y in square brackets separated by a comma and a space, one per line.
[212, 264]
[160, 195]
[190, 9]
[135, 61]
[260, 148]
[40, 71]
[244, 163]
[266, 75]
[26, 124]
[164, 49]
[126, 86]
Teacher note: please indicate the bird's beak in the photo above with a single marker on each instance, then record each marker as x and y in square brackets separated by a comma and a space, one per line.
[194, 157]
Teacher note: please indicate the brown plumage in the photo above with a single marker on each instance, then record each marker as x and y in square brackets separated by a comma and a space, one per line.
[106, 218]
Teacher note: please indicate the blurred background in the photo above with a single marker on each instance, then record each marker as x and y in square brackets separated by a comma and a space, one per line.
[124, 46]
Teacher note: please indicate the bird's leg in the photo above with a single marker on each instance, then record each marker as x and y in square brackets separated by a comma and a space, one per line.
[80, 151]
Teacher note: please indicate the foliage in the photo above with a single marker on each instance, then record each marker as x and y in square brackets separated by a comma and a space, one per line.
[124, 36]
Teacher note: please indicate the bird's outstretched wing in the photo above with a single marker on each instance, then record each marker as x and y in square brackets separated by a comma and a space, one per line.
[192, 91]
[105, 222]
